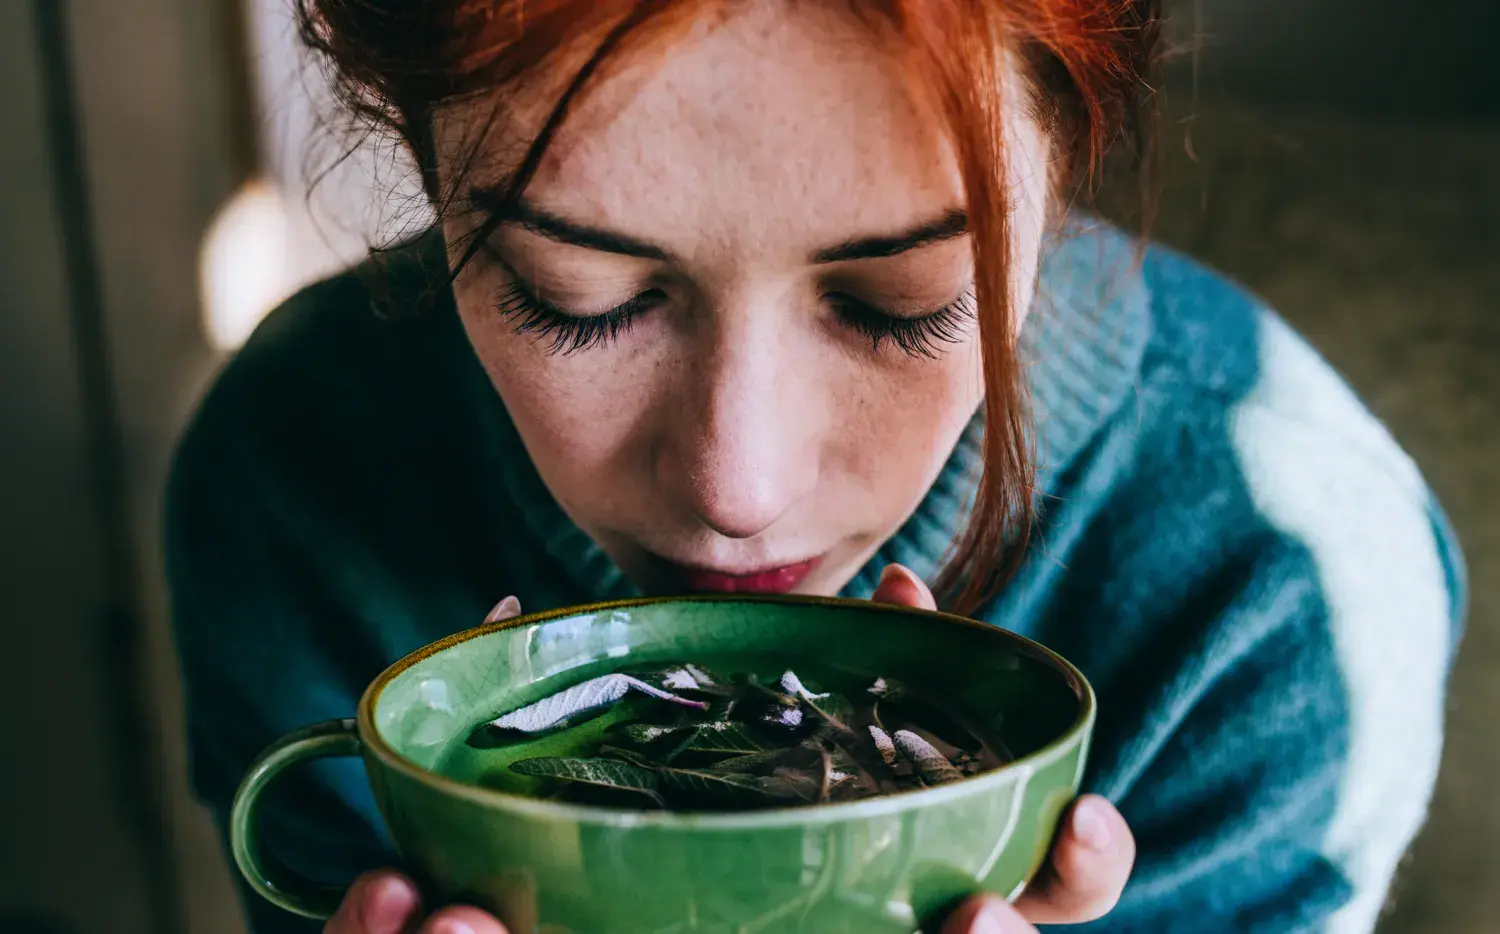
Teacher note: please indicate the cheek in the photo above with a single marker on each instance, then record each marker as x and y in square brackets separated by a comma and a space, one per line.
[576, 418]
[899, 429]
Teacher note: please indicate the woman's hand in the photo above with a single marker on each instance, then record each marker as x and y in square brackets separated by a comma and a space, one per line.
[1091, 859]
[387, 902]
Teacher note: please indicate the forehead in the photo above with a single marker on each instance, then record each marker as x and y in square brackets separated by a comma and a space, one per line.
[785, 126]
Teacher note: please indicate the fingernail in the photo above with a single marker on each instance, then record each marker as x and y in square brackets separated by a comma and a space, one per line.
[990, 920]
[504, 610]
[387, 904]
[890, 572]
[1091, 825]
[450, 926]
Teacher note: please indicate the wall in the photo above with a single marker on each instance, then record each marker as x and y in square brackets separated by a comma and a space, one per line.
[159, 146]
[66, 783]
[115, 153]
[1434, 59]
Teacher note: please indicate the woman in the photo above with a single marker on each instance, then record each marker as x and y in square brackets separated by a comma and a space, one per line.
[772, 296]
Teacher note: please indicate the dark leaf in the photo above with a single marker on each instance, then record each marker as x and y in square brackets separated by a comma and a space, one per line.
[728, 738]
[643, 734]
[732, 787]
[934, 767]
[625, 755]
[754, 762]
[604, 772]
[689, 736]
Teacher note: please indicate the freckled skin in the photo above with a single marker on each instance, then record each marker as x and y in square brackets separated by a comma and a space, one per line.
[742, 424]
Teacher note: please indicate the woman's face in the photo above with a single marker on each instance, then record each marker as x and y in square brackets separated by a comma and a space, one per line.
[735, 332]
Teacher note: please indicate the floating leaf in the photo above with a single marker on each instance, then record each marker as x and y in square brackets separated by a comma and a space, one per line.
[793, 685]
[645, 733]
[549, 712]
[789, 717]
[682, 745]
[625, 755]
[690, 678]
[885, 688]
[751, 762]
[792, 786]
[731, 786]
[678, 679]
[835, 711]
[933, 765]
[780, 712]
[606, 773]
[727, 737]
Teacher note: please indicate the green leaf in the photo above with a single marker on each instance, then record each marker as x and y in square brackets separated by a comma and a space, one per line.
[836, 707]
[685, 743]
[643, 734]
[727, 738]
[607, 773]
[723, 786]
[751, 762]
[790, 786]
[625, 755]
[835, 711]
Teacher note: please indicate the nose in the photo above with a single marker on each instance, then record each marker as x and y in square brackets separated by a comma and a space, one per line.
[741, 446]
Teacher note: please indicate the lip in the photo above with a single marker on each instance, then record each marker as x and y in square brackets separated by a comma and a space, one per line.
[771, 580]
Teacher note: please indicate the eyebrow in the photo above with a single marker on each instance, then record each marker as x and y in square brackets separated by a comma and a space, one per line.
[951, 225]
[549, 225]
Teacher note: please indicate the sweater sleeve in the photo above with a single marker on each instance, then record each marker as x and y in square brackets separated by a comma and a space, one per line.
[1286, 718]
[1231, 786]
[267, 638]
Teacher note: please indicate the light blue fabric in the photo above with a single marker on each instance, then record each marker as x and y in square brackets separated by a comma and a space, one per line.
[1248, 569]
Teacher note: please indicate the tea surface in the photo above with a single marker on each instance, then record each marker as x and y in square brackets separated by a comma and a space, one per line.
[722, 734]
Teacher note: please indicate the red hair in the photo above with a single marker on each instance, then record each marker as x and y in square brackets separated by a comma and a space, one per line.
[1086, 64]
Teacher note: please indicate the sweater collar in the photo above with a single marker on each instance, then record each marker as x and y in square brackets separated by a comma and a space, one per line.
[1083, 343]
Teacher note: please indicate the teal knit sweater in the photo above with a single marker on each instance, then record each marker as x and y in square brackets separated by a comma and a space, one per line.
[1248, 569]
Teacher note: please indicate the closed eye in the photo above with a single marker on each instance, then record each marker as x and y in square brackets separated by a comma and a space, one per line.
[922, 336]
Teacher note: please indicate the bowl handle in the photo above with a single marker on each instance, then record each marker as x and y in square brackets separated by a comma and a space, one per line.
[269, 876]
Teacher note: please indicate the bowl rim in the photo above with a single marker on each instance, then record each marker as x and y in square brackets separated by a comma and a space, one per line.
[880, 805]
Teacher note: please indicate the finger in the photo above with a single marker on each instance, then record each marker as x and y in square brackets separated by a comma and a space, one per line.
[504, 610]
[986, 915]
[377, 903]
[900, 586]
[1089, 866]
[461, 919]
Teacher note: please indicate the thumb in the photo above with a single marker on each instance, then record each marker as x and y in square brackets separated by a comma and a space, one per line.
[900, 586]
[986, 914]
[461, 919]
[377, 903]
[504, 610]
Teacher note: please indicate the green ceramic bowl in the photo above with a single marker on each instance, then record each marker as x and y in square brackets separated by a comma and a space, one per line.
[878, 866]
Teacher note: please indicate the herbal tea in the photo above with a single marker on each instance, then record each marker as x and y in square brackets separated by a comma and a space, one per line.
[684, 737]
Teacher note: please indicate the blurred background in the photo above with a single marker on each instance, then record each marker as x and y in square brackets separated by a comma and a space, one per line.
[1341, 157]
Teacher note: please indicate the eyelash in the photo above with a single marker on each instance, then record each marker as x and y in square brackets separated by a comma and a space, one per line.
[916, 337]
[570, 334]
